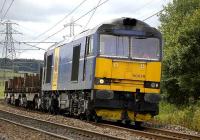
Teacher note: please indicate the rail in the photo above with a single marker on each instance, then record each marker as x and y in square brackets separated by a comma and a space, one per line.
[153, 133]
[54, 129]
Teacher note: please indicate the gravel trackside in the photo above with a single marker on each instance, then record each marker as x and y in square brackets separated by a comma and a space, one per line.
[73, 122]
[10, 131]
[68, 121]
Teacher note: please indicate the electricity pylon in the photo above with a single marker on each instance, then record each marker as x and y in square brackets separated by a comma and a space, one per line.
[8, 51]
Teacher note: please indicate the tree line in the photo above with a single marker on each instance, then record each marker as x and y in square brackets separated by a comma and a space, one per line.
[26, 65]
[180, 26]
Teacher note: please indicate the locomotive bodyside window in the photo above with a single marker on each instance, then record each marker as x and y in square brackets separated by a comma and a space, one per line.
[75, 62]
[49, 68]
[89, 45]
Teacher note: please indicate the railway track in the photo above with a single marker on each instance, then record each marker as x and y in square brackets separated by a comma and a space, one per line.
[148, 132]
[54, 129]
[177, 135]
[154, 133]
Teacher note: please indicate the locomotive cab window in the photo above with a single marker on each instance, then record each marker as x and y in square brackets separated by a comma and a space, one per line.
[129, 46]
[111, 45]
[145, 48]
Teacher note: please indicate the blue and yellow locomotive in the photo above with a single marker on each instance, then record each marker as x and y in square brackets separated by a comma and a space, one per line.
[111, 72]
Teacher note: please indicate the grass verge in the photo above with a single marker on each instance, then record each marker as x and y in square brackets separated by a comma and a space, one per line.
[1, 92]
[188, 116]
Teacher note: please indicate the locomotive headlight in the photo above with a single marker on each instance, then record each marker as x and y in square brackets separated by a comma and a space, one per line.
[153, 85]
[150, 84]
[157, 85]
[101, 81]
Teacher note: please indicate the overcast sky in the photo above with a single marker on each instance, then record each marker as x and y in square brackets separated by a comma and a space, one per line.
[36, 16]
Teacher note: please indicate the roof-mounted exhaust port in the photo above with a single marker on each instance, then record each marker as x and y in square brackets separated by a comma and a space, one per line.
[130, 21]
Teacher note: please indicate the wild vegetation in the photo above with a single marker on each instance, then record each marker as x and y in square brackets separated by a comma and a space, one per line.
[187, 116]
[180, 26]
[26, 65]
[1, 90]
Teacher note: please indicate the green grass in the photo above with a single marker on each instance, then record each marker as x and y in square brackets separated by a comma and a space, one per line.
[1, 92]
[188, 116]
[8, 74]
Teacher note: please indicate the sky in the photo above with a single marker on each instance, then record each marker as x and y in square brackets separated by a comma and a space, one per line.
[34, 17]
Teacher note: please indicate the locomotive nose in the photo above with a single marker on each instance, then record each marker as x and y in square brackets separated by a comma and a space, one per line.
[128, 70]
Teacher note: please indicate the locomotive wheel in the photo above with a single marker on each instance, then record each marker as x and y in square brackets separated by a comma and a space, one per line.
[47, 105]
[88, 118]
[127, 122]
[119, 122]
[82, 117]
[97, 119]
[138, 125]
[54, 106]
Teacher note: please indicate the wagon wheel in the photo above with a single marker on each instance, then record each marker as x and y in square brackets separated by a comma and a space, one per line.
[17, 102]
[8, 100]
[20, 101]
[13, 99]
[36, 103]
[25, 102]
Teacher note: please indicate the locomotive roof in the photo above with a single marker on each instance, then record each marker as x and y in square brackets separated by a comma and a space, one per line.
[119, 22]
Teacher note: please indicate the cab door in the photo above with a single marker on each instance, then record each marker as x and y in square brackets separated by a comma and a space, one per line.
[88, 52]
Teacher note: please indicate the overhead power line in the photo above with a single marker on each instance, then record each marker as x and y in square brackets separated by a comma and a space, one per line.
[76, 20]
[26, 43]
[91, 16]
[61, 19]
[153, 15]
[39, 48]
[8, 9]
[3, 6]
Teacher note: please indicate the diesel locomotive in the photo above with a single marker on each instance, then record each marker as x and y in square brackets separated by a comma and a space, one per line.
[110, 72]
